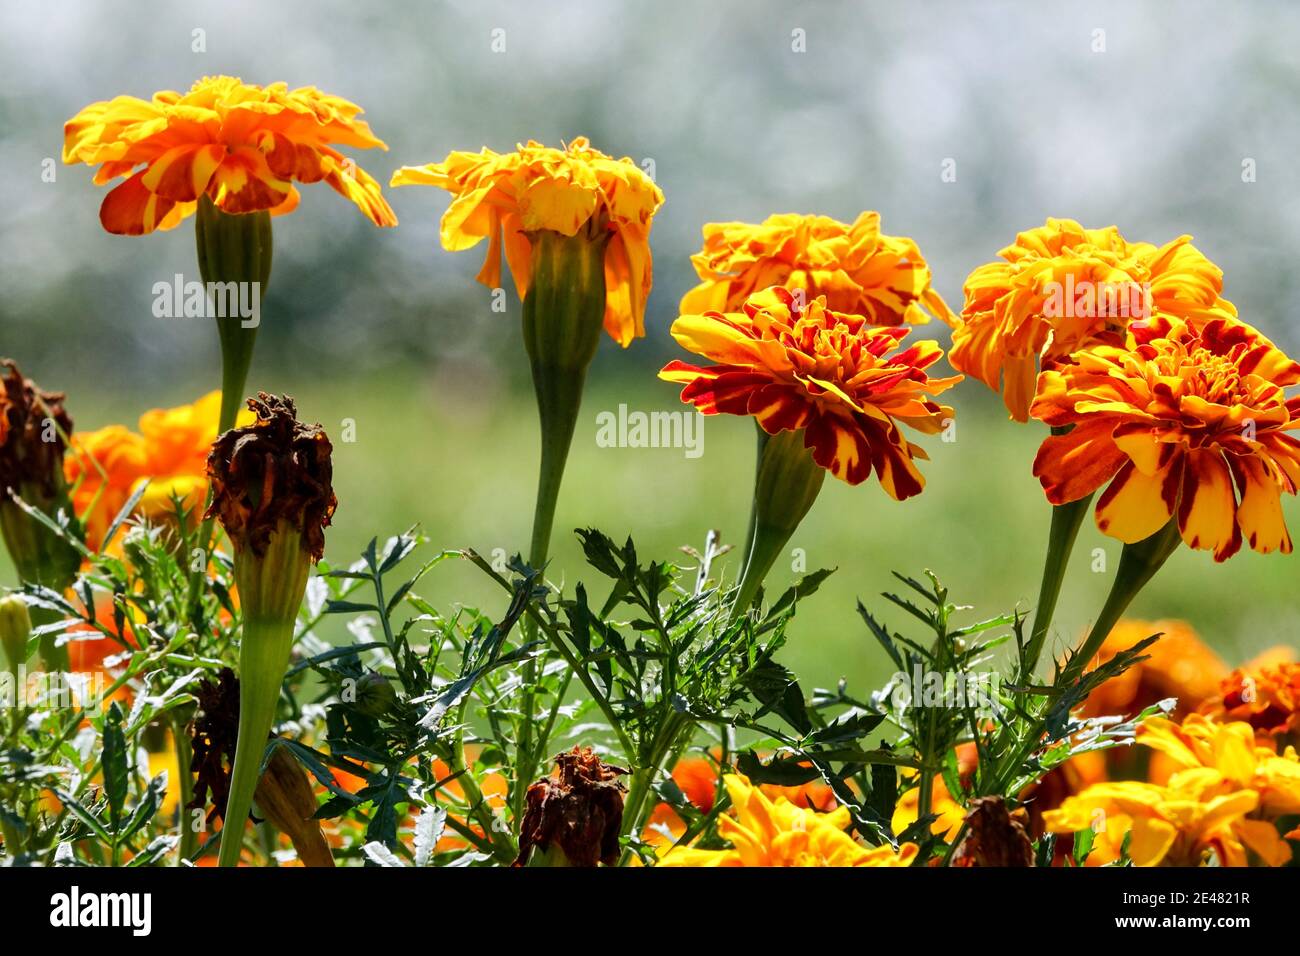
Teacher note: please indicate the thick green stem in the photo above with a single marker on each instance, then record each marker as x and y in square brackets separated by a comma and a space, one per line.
[786, 484]
[1066, 521]
[263, 659]
[563, 315]
[1138, 563]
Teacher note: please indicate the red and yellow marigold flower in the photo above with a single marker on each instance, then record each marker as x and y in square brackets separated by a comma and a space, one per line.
[169, 452]
[1062, 288]
[775, 832]
[1266, 697]
[1221, 803]
[243, 146]
[858, 269]
[507, 197]
[1171, 423]
[833, 375]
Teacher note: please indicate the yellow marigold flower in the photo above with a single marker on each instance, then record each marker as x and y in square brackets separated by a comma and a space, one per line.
[244, 146]
[1171, 423]
[1178, 665]
[1222, 800]
[1267, 698]
[506, 197]
[1062, 288]
[831, 374]
[767, 832]
[856, 267]
[170, 452]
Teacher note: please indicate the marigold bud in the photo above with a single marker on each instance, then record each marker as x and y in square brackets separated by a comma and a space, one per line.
[15, 628]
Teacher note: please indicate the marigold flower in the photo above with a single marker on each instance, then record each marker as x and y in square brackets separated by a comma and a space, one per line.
[1062, 288]
[1221, 802]
[856, 267]
[573, 817]
[1178, 665]
[1267, 698]
[243, 146]
[1171, 423]
[776, 832]
[169, 452]
[507, 197]
[831, 374]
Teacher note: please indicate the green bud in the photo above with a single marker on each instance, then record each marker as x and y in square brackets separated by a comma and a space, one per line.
[15, 628]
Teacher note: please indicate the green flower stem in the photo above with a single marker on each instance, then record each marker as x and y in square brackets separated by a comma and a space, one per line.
[1138, 564]
[563, 315]
[786, 484]
[231, 248]
[271, 587]
[1066, 521]
[665, 746]
[263, 659]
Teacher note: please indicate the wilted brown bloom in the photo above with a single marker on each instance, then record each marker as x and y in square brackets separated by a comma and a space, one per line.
[993, 837]
[283, 794]
[274, 470]
[33, 423]
[578, 809]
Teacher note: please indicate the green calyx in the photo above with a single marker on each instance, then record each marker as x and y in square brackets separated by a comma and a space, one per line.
[786, 484]
[233, 248]
[563, 316]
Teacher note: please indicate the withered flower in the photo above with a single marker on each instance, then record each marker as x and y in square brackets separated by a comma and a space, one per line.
[994, 837]
[573, 817]
[283, 793]
[34, 427]
[271, 489]
[273, 471]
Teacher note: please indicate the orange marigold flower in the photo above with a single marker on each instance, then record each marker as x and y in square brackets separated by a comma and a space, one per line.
[242, 145]
[831, 374]
[1174, 420]
[774, 832]
[856, 267]
[504, 197]
[1062, 288]
[1267, 698]
[1178, 665]
[170, 452]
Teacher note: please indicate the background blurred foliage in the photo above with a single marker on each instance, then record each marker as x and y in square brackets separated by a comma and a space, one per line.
[385, 328]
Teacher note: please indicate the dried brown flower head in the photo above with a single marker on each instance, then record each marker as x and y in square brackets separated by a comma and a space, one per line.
[283, 793]
[994, 837]
[276, 469]
[33, 423]
[578, 808]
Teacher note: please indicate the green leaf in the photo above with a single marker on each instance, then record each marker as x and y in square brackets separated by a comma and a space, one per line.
[116, 772]
[147, 807]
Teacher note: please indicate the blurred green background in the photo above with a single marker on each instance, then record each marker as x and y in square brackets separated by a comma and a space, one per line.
[1145, 124]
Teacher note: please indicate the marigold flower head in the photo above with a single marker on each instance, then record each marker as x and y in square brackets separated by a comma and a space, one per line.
[775, 832]
[576, 812]
[1172, 423]
[831, 374]
[856, 267]
[170, 452]
[1178, 665]
[244, 146]
[503, 197]
[1267, 698]
[1062, 288]
[273, 471]
[1221, 801]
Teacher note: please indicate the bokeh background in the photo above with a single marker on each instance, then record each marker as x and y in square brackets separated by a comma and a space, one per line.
[1145, 125]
